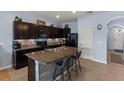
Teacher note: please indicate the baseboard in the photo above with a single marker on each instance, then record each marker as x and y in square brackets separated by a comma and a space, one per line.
[6, 67]
[99, 61]
[86, 57]
[91, 58]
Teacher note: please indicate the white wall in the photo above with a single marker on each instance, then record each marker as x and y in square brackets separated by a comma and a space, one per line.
[6, 19]
[99, 37]
[72, 25]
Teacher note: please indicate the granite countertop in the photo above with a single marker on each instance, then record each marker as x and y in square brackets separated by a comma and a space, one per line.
[51, 56]
[24, 47]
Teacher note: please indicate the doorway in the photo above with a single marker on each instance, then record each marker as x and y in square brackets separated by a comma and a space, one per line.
[115, 41]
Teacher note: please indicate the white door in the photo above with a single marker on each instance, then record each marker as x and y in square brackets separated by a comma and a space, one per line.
[118, 39]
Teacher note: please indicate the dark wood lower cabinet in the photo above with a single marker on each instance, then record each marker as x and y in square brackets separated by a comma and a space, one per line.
[20, 59]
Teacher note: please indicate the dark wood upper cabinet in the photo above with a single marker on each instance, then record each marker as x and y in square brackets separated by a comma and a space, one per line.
[60, 33]
[41, 31]
[46, 32]
[24, 30]
[32, 31]
[66, 31]
[53, 32]
[20, 30]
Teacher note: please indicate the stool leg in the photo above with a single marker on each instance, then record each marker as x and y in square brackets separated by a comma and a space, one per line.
[54, 73]
[76, 66]
[79, 64]
[62, 74]
[69, 74]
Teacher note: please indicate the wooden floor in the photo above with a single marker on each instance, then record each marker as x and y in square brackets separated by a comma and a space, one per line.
[91, 71]
[115, 57]
[4, 75]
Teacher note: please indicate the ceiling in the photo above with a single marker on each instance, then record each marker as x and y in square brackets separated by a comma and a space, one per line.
[64, 15]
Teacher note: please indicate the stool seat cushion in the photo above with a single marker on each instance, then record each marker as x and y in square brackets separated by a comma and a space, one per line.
[59, 63]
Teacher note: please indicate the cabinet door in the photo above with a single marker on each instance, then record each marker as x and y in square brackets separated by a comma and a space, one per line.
[60, 33]
[66, 32]
[47, 32]
[41, 31]
[32, 31]
[56, 33]
[21, 60]
[51, 32]
[16, 32]
[24, 31]
[20, 30]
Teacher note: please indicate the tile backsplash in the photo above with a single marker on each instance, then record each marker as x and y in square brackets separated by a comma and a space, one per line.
[50, 41]
[27, 42]
[56, 41]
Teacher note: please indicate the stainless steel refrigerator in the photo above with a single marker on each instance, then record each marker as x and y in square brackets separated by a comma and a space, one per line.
[72, 40]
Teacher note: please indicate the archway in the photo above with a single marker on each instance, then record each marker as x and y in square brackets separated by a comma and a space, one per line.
[115, 40]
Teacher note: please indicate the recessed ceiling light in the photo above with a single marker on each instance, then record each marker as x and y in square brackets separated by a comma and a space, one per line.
[73, 12]
[57, 16]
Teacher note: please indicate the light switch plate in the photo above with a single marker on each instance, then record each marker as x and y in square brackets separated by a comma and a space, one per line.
[1, 43]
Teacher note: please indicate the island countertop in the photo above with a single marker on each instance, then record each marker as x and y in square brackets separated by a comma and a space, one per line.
[51, 56]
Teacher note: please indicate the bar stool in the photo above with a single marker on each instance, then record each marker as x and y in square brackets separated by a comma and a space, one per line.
[76, 60]
[61, 67]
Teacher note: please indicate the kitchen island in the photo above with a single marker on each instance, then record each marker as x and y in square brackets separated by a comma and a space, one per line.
[41, 64]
